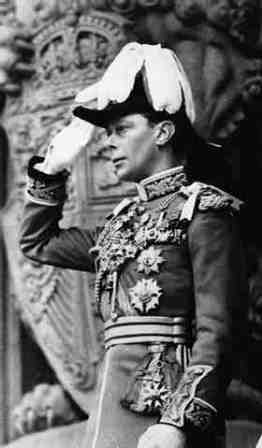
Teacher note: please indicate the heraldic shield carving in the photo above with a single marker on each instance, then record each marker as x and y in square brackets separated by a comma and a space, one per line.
[70, 51]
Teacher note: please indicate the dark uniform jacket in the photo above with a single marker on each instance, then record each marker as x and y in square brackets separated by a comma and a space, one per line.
[172, 256]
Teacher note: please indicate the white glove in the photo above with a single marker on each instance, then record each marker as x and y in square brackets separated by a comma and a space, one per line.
[66, 145]
[162, 436]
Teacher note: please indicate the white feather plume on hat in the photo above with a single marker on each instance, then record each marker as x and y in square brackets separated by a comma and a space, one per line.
[118, 80]
[88, 94]
[165, 82]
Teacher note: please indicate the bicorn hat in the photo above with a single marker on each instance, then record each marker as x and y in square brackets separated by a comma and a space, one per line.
[141, 79]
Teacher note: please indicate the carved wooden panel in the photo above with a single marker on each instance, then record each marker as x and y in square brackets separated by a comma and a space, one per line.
[219, 43]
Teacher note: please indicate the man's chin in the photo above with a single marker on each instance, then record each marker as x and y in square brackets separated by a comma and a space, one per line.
[123, 175]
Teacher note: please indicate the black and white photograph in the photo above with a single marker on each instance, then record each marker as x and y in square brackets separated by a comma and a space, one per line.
[130, 223]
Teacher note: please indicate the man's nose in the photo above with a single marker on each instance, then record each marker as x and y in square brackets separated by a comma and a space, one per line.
[110, 141]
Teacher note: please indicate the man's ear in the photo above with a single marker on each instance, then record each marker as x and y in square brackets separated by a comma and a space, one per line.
[164, 132]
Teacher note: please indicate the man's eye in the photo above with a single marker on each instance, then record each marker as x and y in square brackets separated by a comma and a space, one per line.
[121, 130]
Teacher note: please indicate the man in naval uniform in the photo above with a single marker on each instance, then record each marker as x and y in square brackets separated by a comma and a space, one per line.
[170, 276]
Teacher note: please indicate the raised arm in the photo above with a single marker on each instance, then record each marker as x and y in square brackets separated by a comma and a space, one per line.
[41, 237]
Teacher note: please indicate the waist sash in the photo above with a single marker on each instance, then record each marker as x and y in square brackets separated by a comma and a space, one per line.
[147, 329]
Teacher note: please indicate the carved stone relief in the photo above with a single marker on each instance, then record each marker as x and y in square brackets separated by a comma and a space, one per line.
[73, 43]
[15, 50]
[57, 304]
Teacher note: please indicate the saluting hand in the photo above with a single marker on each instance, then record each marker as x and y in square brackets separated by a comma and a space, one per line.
[66, 145]
[162, 436]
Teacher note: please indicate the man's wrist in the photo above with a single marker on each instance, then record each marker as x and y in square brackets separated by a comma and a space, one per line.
[44, 187]
[40, 169]
[46, 167]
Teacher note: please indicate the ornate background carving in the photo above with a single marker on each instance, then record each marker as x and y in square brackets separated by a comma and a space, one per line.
[61, 47]
[56, 304]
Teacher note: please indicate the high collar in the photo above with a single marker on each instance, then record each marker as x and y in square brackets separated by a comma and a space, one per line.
[162, 183]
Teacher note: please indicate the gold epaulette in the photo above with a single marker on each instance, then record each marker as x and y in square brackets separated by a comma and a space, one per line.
[207, 197]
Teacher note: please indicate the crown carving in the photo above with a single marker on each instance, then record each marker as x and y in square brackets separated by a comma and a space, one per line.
[69, 56]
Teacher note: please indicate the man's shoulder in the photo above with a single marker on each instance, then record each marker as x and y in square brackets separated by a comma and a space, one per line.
[201, 197]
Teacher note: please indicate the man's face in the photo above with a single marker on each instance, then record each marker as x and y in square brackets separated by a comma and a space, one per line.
[132, 141]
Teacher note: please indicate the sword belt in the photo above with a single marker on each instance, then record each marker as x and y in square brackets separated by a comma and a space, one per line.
[148, 329]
